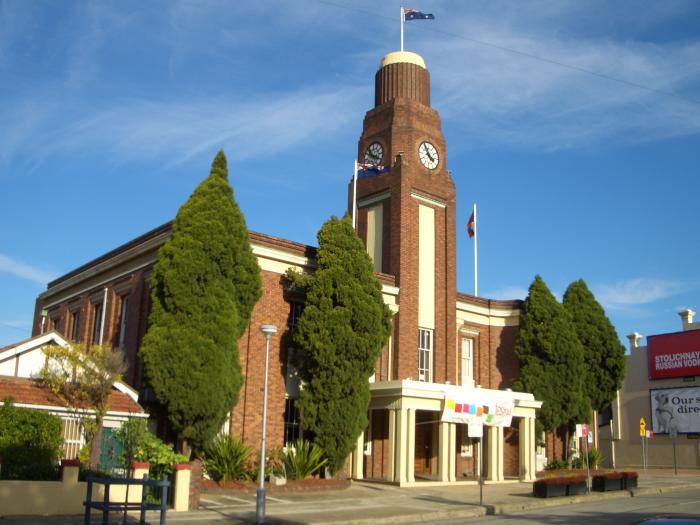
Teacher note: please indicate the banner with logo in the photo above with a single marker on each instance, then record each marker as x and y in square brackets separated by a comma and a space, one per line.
[477, 408]
[674, 355]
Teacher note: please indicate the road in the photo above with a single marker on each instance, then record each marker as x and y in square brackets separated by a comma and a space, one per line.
[623, 511]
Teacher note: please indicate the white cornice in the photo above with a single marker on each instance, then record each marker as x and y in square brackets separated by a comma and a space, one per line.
[372, 200]
[424, 390]
[428, 200]
[282, 256]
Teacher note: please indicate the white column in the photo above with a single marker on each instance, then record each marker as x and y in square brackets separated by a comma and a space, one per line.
[452, 449]
[401, 449]
[358, 458]
[495, 454]
[527, 449]
[391, 474]
[444, 450]
[411, 448]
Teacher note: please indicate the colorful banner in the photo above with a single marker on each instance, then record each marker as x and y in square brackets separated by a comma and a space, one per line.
[477, 408]
[674, 355]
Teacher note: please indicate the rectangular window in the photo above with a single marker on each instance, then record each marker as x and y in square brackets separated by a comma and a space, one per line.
[121, 329]
[467, 361]
[75, 325]
[425, 355]
[295, 311]
[292, 422]
[55, 324]
[96, 322]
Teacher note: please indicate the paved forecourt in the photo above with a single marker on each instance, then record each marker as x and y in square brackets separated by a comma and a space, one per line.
[374, 503]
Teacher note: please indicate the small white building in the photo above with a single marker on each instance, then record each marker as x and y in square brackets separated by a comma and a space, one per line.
[20, 366]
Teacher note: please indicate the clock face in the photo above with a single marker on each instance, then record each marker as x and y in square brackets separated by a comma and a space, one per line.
[374, 153]
[428, 155]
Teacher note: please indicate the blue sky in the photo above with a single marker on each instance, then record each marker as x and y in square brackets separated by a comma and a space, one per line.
[575, 126]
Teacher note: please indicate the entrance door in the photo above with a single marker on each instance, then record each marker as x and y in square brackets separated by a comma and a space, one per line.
[425, 429]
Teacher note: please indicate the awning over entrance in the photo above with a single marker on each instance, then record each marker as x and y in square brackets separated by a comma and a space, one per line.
[452, 406]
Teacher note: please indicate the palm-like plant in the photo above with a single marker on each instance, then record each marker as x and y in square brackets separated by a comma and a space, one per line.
[226, 458]
[303, 459]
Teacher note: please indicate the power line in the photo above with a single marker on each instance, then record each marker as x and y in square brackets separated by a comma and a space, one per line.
[524, 54]
[7, 325]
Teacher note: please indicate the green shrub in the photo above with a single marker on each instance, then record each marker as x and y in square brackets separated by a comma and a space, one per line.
[557, 464]
[577, 462]
[30, 443]
[133, 434]
[304, 459]
[226, 458]
[594, 458]
[274, 464]
[145, 447]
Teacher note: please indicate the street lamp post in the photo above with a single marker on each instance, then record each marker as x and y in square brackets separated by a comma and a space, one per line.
[268, 331]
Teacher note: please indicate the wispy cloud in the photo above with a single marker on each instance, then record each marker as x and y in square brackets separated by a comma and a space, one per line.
[20, 324]
[499, 97]
[508, 292]
[636, 292]
[23, 270]
[136, 129]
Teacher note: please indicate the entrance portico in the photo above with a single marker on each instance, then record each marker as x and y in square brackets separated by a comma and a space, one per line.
[414, 446]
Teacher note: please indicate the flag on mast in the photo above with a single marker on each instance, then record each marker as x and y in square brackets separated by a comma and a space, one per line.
[412, 14]
[471, 231]
[408, 13]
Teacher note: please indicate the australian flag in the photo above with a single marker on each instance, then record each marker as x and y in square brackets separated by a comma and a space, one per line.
[370, 170]
[412, 14]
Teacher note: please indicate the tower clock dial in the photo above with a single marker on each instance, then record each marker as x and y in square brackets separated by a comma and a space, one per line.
[374, 153]
[428, 155]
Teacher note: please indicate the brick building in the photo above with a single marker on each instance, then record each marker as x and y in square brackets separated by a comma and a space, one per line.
[445, 348]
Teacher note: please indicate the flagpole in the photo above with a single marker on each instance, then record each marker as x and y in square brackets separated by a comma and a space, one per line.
[402, 29]
[354, 194]
[476, 259]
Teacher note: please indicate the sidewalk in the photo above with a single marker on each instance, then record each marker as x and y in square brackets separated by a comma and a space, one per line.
[373, 503]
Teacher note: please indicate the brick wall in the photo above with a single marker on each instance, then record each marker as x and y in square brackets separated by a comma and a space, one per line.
[377, 463]
[246, 419]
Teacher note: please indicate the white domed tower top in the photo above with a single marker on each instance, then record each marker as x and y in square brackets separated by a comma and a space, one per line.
[402, 57]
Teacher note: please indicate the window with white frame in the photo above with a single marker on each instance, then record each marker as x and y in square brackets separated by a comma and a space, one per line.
[467, 361]
[425, 355]
[96, 322]
[75, 325]
[123, 312]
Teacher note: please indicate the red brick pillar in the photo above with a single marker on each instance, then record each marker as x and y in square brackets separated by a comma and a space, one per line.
[195, 483]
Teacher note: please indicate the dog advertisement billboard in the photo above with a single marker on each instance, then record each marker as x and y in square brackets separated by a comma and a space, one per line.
[674, 355]
[675, 409]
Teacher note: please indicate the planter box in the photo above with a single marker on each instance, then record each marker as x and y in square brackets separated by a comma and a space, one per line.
[559, 486]
[576, 489]
[548, 490]
[629, 480]
[278, 480]
[605, 483]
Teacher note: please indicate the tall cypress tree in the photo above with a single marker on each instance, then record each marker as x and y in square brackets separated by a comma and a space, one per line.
[604, 355]
[551, 359]
[342, 330]
[203, 287]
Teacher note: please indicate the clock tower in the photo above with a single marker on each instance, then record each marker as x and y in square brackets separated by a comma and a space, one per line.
[406, 217]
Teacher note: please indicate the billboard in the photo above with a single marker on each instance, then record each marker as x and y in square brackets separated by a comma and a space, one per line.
[674, 355]
[675, 409]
